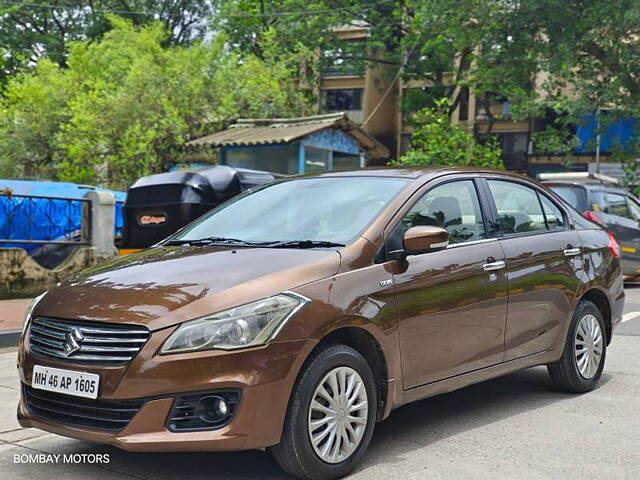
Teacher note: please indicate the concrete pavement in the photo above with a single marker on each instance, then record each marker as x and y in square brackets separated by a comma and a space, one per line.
[515, 427]
[631, 317]
[11, 317]
[12, 313]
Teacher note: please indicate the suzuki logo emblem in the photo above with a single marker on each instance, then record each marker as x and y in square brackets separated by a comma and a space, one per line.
[73, 339]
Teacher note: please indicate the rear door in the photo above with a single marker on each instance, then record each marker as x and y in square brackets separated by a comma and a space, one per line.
[542, 256]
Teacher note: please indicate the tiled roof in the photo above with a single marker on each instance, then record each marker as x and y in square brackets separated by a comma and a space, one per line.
[249, 132]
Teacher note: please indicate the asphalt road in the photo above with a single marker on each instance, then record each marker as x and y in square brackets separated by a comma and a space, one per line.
[515, 427]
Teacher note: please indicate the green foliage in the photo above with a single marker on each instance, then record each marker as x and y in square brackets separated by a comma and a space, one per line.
[31, 113]
[556, 141]
[631, 179]
[436, 141]
[30, 30]
[627, 155]
[126, 105]
[427, 40]
[589, 49]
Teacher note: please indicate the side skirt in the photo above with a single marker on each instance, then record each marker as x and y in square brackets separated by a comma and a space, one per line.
[477, 376]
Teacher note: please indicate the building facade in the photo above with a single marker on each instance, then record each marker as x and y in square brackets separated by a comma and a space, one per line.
[372, 97]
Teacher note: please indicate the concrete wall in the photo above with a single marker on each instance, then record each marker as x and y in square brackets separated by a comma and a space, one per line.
[21, 276]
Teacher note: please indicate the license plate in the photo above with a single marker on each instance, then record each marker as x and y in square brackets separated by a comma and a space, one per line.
[79, 384]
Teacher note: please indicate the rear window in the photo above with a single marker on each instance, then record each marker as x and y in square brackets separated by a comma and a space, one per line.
[574, 196]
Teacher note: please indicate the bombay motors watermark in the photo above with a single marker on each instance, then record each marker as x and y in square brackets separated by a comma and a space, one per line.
[61, 458]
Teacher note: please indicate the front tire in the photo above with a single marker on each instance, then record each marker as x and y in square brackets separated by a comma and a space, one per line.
[580, 367]
[331, 416]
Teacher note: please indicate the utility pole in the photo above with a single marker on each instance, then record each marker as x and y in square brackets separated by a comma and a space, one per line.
[598, 139]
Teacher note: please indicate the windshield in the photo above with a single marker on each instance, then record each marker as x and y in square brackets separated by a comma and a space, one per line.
[328, 209]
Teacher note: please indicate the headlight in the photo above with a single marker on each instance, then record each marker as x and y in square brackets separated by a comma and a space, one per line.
[30, 309]
[244, 326]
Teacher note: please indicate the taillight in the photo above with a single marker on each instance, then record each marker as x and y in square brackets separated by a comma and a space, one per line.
[613, 246]
[593, 217]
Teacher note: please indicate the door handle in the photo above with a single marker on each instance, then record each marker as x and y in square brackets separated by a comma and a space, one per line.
[487, 267]
[571, 252]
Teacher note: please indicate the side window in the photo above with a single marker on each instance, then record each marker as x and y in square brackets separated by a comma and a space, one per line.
[598, 202]
[453, 206]
[518, 207]
[618, 205]
[552, 213]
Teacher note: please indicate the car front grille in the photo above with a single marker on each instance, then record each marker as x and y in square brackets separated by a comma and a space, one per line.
[94, 414]
[86, 342]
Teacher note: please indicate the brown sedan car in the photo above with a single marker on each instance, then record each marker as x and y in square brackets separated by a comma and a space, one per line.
[297, 315]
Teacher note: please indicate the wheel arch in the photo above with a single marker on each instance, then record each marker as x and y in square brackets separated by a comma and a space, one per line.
[368, 346]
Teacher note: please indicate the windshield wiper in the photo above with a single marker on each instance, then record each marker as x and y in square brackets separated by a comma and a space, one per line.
[304, 244]
[272, 244]
[211, 241]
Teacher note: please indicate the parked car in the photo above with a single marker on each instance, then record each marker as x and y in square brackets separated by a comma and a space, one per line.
[613, 207]
[297, 315]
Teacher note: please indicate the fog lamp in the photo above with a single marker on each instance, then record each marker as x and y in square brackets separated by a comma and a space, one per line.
[203, 410]
[212, 409]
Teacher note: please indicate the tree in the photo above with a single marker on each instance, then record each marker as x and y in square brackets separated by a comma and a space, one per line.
[30, 30]
[125, 106]
[568, 57]
[31, 113]
[436, 141]
[433, 40]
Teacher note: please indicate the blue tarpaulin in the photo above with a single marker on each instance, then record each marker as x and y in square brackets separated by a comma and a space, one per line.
[45, 219]
[619, 134]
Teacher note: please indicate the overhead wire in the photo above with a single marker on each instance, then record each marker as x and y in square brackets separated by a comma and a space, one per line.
[291, 13]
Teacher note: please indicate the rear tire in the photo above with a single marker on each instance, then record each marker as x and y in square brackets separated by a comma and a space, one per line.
[336, 392]
[580, 367]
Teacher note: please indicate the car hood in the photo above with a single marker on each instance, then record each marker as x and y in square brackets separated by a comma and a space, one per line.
[164, 286]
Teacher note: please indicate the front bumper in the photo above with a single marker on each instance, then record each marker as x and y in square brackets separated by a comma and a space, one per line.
[265, 375]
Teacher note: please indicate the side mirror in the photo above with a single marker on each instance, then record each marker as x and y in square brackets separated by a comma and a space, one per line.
[424, 239]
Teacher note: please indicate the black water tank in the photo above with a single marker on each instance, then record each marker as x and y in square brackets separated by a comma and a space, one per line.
[158, 205]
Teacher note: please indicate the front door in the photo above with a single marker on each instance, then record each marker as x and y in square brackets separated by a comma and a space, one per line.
[451, 303]
[542, 254]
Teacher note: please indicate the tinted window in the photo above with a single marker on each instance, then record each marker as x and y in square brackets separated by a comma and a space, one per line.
[574, 196]
[618, 205]
[518, 207]
[553, 214]
[453, 206]
[324, 209]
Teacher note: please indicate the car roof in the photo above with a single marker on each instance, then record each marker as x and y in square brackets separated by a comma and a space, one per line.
[411, 172]
[586, 185]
